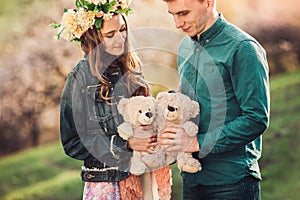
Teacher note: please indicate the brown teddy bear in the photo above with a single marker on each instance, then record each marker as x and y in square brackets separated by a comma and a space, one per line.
[137, 111]
[178, 109]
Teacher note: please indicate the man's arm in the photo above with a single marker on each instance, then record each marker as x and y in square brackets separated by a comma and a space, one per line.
[250, 82]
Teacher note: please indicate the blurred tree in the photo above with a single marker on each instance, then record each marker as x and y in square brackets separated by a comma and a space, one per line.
[33, 70]
[33, 66]
[283, 46]
[32, 86]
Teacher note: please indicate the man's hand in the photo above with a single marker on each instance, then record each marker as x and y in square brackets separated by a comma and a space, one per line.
[146, 143]
[178, 140]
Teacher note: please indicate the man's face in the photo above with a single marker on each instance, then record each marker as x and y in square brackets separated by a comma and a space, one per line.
[191, 16]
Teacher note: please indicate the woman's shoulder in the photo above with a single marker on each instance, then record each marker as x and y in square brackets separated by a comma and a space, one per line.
[80, 71]
[80, 66]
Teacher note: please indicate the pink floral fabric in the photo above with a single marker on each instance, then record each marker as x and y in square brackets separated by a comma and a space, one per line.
[101, 191]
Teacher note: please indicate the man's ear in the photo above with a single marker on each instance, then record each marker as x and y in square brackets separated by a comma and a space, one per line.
[122, 105]
[210, 4]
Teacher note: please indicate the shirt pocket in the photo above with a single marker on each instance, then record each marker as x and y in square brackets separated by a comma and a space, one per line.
[213, 80]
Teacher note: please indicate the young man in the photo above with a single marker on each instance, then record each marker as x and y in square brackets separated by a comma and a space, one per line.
[226, 71]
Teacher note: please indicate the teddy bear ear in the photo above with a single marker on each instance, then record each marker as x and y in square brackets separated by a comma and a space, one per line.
[196, 108]
[159, 95]
[122, 105]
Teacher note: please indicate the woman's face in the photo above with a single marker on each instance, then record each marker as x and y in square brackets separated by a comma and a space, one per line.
[114, 33]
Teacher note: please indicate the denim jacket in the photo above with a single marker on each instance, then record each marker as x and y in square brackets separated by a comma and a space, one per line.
[88, 125]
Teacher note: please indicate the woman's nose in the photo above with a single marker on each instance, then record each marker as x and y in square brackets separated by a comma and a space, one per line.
[120, 36]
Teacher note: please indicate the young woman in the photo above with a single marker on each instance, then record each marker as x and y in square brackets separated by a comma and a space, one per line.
[89, 116]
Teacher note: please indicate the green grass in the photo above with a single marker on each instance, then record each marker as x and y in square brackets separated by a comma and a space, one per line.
[40, 173]
[280, 160]
[46, 173]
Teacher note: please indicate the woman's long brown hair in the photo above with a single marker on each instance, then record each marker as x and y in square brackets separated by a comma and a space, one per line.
[91, 42]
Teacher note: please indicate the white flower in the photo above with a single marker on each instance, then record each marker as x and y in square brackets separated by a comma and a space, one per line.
[96, 2]
[69, 20]
[124, 3]
[85, 19]
[76, 23]
[108, 16]
[115, 7]
[65, 34]
[102, 2]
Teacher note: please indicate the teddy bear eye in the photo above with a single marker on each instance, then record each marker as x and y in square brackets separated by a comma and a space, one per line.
[140, 111]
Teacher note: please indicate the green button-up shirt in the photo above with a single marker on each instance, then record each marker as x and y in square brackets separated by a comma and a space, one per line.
[226, 71]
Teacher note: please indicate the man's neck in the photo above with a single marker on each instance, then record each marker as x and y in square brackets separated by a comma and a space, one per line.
[214, 17]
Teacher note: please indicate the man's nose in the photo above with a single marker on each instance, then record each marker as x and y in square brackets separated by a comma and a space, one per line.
[178, 23]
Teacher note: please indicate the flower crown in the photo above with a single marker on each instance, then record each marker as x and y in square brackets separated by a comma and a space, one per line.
[90, 12]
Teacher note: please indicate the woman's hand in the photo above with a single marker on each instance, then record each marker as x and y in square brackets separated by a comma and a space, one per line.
[140, 143]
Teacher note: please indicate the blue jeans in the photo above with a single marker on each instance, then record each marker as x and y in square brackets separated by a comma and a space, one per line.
[246, 189]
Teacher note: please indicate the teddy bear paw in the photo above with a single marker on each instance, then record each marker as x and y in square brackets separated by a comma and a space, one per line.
[153, 162]
[137, 168]
[191, 169]
[191, 165]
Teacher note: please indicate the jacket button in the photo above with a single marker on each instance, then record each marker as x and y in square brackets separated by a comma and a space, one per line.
[89, 176]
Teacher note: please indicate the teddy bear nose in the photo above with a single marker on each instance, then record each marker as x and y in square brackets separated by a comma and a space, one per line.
[149, 114]
[171, 108]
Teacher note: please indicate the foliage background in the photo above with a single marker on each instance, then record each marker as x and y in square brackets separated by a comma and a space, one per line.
[33, 67]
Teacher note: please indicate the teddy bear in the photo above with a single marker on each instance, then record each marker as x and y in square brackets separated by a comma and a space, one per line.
[137, 111]
[177, 111]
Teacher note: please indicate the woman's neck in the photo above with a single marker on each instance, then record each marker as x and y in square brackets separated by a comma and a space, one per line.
[107, 58]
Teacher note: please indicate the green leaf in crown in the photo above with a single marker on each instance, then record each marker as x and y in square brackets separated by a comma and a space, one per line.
[53, 25]
[98, 23]
[106, 7]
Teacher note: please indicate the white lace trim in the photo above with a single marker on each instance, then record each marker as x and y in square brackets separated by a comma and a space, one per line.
[99, 170]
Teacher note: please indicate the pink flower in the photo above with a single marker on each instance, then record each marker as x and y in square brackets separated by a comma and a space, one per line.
[99, 15]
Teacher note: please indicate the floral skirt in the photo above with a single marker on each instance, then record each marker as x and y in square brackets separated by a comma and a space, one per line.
[101, 191]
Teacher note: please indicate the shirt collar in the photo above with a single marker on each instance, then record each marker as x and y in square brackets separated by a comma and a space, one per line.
[210, 33]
